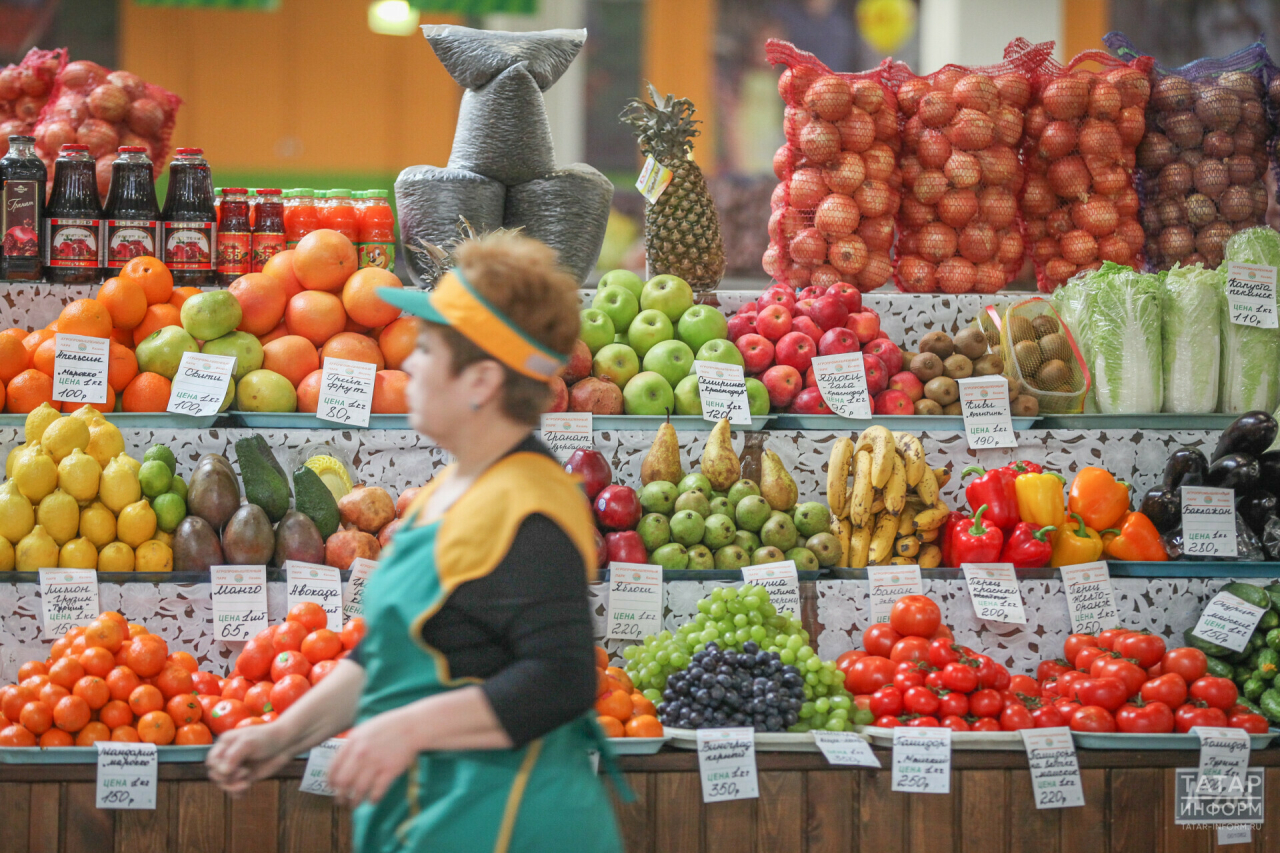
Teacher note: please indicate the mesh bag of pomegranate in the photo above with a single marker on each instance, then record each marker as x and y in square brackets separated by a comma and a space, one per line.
[959, 228]
[24, 90]
[832, 212]
[1203, 161]
[1080, 198]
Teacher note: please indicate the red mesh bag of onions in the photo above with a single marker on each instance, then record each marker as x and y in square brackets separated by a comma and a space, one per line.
[832, 212]
[1080, 199]
[1203, 161]
[24, 89]
[958, 227]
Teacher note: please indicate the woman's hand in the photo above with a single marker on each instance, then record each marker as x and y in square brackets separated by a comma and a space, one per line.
[241, 757]
[373, 755]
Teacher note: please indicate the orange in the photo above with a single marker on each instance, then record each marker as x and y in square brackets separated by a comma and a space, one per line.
[158, 316]
[602, 658]
[310, 614]
[360, 297]
[315, 315]
[56, 737]
[389, 392]
[152, 276]
[148, 392]
[35, 339]
[611, 727]
[262, 302]
[309, 391]
[174, 680]
[44, 355]
[14, 357]
[156, 727]
[184, 709]
[105, 632]
[125, 734]
[193, 734]
[397, 341]
[324, 260]
[16, 333]
[146, 655]
[30, 668]
[116, 713]
[87, 317]
[645, 725]
[122, 367]
[280, 267]
[181, 295]
[144, 699]
[353, 326]
[352, 347]
[126, 302]
[92, 733]
[615, 703]
[93, 690]
[28, 390]
[292, 356]
[65, 673]
[185, 660]
[124, 337]
[97, 661]
[278, 332]
[641, 705]
[52, 327]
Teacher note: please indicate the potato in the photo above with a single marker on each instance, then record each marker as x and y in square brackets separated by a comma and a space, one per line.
[1024, 406]
[942, 390]
[926, 366]
[989, 365]
[958, 367]
[925, 406]
[938, 343]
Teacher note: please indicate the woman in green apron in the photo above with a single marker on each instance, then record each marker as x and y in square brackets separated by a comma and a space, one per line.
[470, 693]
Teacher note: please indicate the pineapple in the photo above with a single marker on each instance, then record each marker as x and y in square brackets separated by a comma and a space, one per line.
[681, 229]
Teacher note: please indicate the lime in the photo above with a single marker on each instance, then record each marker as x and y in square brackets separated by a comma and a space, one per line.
[164, 454]
[154, 477]
[170, 509]
[178, 486]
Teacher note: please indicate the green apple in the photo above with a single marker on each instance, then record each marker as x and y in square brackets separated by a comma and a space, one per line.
[757, 397]
[672, 556]
[621, 338]
[648, 393]
[623, 278]
[687, 527]
[647, 329]
[701, 558]
[688, 397]
[695, 481]
[752, 512]
[672, 360]
[670, 294]
[597, 329]
[659, 496]
[812, 518]
[805, 560]
[722, 351]
[694, 500]
[654, 530]
[719, 531]
[741, 489]
[700, 324]
[732, 557]
[619, 303]
[616, 362]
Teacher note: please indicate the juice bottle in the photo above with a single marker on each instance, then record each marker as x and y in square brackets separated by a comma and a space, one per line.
[189, 234]
[23, 177]
[340, 215]
[72, 229]
[235, 236]
[132, 218]
[299, 217]
[377, 243]
[268, 228]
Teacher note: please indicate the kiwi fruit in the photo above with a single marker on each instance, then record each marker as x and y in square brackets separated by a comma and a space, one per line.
[942, 390]
[1020, 329]
[970, 343]
[1024, 406]
[958, 367]
[925, 406]
[1028, 356]
[926, 366]
[1053, 375]
[1054, 345]
[1045, 325]
[1015, 387]
[952, 409]
[938, 343]
[989, 365]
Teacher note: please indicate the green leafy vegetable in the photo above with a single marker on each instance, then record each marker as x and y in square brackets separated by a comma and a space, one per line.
[1250, 377]
[1069, 301]
[1190, 336]
[1123, 318]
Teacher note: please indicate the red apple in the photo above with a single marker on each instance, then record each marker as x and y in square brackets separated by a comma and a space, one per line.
[848, 294]
[887, 351]
[773, 322]
[908, 383]
[866, 309]
[813, 291]
[625, 547]
[778, 295]
[559, 396]
[829, 312]
[806, 326]
[783, 383]
[797, 350]
[865, 325]
[618, 508]
[602, 548]
[893, 403]
[750, 306]
[597, 396]
[810, 402]
[742, 324]
[838, 341]
[877, 376]
[757, 353]
[593, 468]
[810, 378]
[579, 364]
[803, 307]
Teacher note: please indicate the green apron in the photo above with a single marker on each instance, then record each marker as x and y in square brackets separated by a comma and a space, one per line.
[541, 797]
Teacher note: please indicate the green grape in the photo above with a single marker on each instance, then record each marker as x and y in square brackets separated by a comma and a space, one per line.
[629, 652]
[806, 710]
[800, 728]
[752, 602]
[842, 702]
[717, 610]
[741, 621]
[825, 677]
[863, 717]
[819, 720]
[743, 635]
[787, 656]
[663, 657]
[822, 706]
[711, 632]
[767, 608]
[729, 592]
[839, 714]
[755, 618]
[812, 664]
[835, 725]
[757, 633]
[794, 643]
[679, 660]
[821, 689]
[653, 695]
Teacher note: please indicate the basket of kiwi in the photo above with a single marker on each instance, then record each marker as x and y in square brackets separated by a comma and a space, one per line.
[1040, 354]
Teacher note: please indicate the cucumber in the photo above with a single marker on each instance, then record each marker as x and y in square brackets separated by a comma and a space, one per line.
[1273, 592]
[1249, 703]
[1213, 650]
[1257, 641]
[1255, 595]
[1254, 688]
[1219, 668]
[1273, 639]
[1270, 704]
[1269, 620]
[1268, 664]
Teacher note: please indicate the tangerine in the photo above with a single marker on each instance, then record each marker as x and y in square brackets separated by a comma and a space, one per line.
[146, 655]
[255, 658]
[352, 347]
[65, 673]
[310, 614]
[615, 703]
[97, 661]
[27, 391]
[35, 682]
[602, 658]
[620, 675]
[15, 735]
[106, 633]
[645, 725]
[14, 357]
[309, 391]
[292, 356]
[156, 727]
[262, 302]
[226, 714]
[258, 699]
[125, 301]
[321, 644]
[280, 267]
[186, 661]
[52, 693]
[56, 737]
[361, 300]
[315, 315]
[250, 721]
[289, 663]
[122, 367]
[389, 392]
[289, 637]
[13, 699]
[611, 727]
[30, 668]
[353, 632]
[122, 681]
[151, 275]
[204, 682]
[36, 717]
[184, 709]
[87, 317]
[116, 713]
[324, 260]
[641, 705]
[93, 690]
[147, 392]
[158, 316]
[144, 699]
[193, 734]
[181, 295]
[236, 688]
[92, 733]
[397, 341]
[174, 680]
[288, 690]
[125, 734]
[320, 670]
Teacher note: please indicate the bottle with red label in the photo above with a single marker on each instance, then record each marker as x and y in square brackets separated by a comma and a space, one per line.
[235, 235]
[340, 215]
[217, 206]
[131, 224]
[74, 222]
[300, 217]
[377, 240]
[23, 178]
[189, 233]
[268, 228]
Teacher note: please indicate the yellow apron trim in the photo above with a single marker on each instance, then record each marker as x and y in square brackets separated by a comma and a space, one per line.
[412, 790]
[508, 825]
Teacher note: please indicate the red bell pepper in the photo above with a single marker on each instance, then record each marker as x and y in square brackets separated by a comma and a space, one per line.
[976, 542]
[1028, 546]
[949, 528]
[1022, 466]
[996, 491]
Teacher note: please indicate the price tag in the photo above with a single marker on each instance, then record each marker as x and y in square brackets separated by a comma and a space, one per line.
[922, 760]
[1055, 774]
[1209, 521]
[1228, 621]
[845, 748]
[200, 387]
[1090, 599]
[994, 590]
[984, 403]
[723, 390]
[781, 581]
[654, 179]
[635, 601]
[1224, 760]
[80, 368]
[1238, 834]
[888, 584]
[315, 776]
[842, 380]
[565, 432]
[353, 596]
[727, 764]
[239, 601]
[126, 775]
[346, 391]
[321, 584]
[69, 597]
[1251, 295]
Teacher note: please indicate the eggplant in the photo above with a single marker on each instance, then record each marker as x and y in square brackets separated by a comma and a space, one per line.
[1251, 433]
[1164, 508]
[1186, 466]
[1270, 464]
[1233, 471]
[1255, 508]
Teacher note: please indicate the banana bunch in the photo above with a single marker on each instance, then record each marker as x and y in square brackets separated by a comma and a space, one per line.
[892, 513]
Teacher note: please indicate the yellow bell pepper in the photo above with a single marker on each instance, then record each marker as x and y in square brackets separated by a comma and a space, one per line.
[1040, 500]
[1075, 544]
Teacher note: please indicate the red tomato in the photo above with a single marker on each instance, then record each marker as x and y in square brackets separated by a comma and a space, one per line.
[920, 700]
[943, 651]
[934, 680]
[1075, 643]
[1145, 718]
[984, 724]
[943, 632]
[1143, 646]
[1015, 717]
[1190, 715]
[915, 616]
[955, 722]
[924, 722]
[909, 648]
[888, 722]
[869, 674]
[1088, 656]
[1067, 708]
[1171, 689]
[908, 676]
[1051, 689]
[1108, 693]
[986, 703]
[1155, 671]
[1130, 673]
[1215, 692]
[845, 662]
[863, 701]
[1025, 685]
[992, 674]
[1107, 639]
[1091, 718]
[887, 701]
[960, 677]
[1189, 663]
[1254, 724]
[1047, 716]
[953, 704]
[879, 639]
[1067, 682]
[1051, 669]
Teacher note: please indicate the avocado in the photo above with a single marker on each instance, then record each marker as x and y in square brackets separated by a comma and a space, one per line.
[265, 483]
[315, 501]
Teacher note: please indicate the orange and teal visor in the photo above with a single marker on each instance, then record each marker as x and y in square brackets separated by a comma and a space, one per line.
[456, 304]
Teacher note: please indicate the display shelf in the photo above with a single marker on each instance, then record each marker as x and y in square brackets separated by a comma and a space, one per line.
[88, 755]
[305, 420]
[1172, 740]
[1117, 568]
[730, 575]
[1154, 422]
[683, 423]
[135, 420]
[900, 423]
[273, 576]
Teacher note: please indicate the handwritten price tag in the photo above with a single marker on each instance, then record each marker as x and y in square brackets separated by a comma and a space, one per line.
[239, 601]
[321, 584]
[1239, 834]
[845, 748]
[727, 764]
[353, 600]
[782, 582]
[635, 601]
[888, 584]
[723, 390]
[993, 588]
[315, 776]
[1055, 773]
[1090, 599]
[984, 403]
[1224, 760]
[126, 775]
[1251, 295]
[842, 379]
[80, 368]
[1209, 521]
[654, 179]
[200, 387]
[565, 432]
[69, 597]
[346, 391]
[922, 760]
[1228, 621]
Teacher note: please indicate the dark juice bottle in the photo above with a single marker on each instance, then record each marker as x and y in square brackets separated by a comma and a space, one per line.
[268, 228]
[132, 218]
[189, 232]
[73, 226]
[23, 177]
[235, 235]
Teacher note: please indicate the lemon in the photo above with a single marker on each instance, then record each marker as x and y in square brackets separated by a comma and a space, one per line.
[36, 474]
[35, 551]
[116, 557]
[133, 464]
[88, 414]
[119, 486]
[14, 455]
[78, 476]
[135, 524]
[17, 516]
[37, 420]
[78, 554]
[153, 556]
[59, 514]
[6, 556]
[154, 477]
[105, 441]
[63, 436]
[97, 524]
[162, 536]
[170, 510]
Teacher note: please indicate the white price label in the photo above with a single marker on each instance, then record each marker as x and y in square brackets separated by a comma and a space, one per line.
[1239, 834]
[565, 432]
[1055, 773]
[723, 390]
[346, 391]
[842, 379]
[68, 597]
[1209, 521]
[1251, 295]
[201, 384]
[80, 367]
[126, 775]
[984, 403]
[321, 584]
[635, 601]
[239, 601]
[727, 764]
[845, 748]
[781, 581]
[888, 584]
[1224, 760]
[315, 776]
[353, 595]
[994, 591]
[1228, 621]
[654, 179]
[1090, 599]
[922, 760]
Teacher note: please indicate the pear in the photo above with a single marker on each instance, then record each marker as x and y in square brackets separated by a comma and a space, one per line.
[776, 485]
[720, 463]
[662, 462]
